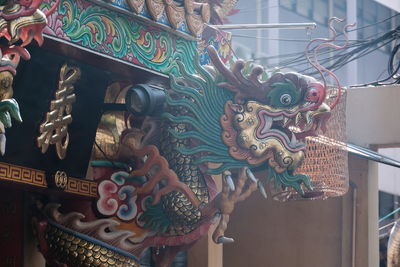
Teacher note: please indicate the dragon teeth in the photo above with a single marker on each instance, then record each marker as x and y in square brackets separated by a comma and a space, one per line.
[268, 124]
[293, 141]
[307, 117]
[298, 119]
[285, 121]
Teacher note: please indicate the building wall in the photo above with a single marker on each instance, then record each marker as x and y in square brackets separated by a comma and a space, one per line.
[302, 233]
[370, 67]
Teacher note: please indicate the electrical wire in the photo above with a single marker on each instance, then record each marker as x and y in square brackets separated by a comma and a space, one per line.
[301, 53]
[387, 225]
[373, 24]
[388, 215]
[342, 60]
[248, 10]
[393, 73]
[353, 52]
[337, 59]
[226, 41]
[301, 59]
[268, 39]
[281, 39]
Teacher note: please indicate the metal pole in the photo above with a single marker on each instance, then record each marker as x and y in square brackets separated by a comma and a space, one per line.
[259, 32]
[352, 67]
[273, 45]
[354, 226]
[307, 25]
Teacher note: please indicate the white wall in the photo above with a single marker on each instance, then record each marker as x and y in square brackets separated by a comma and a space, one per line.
[393, 4]
[372, 118]
[389, 177]
[373, 115]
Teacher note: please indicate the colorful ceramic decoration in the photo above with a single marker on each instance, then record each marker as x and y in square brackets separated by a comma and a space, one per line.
[106, 32]
[185, 17]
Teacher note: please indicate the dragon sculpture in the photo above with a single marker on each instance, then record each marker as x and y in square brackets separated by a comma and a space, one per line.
[161, 192]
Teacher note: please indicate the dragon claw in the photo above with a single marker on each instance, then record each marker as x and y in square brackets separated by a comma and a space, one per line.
[153, 158]
[250, 175]
[246, 184]
[262, 189]
[225, 240]
[229, 181]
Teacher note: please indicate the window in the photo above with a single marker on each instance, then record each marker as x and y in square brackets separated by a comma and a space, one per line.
[369, 14]
[287, 4]
[315, 10]
[304, 7]
[321, 11]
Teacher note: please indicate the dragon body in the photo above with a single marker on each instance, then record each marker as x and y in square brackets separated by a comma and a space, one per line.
[216, 122]
[179, 210]
[219, 122]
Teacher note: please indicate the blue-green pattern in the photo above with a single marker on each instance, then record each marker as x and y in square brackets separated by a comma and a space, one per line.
[121, 36]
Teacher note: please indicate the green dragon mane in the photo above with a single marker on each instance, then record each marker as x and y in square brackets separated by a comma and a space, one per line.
[204, 100]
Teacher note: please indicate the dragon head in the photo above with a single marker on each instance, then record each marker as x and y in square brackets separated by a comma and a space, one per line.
[268, 121]
[261, 122]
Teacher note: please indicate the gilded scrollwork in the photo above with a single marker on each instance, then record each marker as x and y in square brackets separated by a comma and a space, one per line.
[189, 12]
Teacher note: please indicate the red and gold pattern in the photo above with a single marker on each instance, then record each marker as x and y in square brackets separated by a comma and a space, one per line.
[81, 187]
[37, 178]
[13, 173]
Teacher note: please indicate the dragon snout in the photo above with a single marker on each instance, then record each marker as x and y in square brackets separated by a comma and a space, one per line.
[316, 93]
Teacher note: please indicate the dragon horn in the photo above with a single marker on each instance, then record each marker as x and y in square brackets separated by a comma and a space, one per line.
[337, 47]
[324, 40]
[220, 66]
[328, 42]
[243, 86]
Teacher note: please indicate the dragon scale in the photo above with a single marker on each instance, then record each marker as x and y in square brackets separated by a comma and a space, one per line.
[180, 211]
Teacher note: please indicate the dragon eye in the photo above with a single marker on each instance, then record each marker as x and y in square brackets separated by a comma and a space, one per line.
[286, 99]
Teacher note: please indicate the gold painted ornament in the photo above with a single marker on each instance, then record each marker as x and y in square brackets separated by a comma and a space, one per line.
[54, 130]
